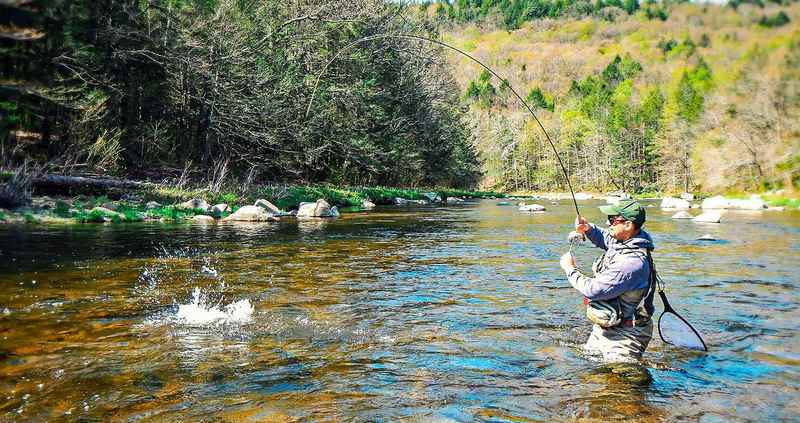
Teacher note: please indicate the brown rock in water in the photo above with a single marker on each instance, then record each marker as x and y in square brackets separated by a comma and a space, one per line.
[201, 218]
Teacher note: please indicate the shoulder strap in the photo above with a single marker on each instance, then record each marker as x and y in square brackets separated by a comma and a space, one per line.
[651, 288]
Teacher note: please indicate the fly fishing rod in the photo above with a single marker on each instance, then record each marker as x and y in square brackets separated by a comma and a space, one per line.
[443, 44]
[670, 323]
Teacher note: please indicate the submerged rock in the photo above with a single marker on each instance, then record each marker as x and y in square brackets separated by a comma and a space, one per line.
[531, 208]
[251, 214]
[708, 217]
[201, 218]
[682, 215]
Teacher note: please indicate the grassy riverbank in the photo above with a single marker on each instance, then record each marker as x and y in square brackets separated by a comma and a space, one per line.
[137, 206]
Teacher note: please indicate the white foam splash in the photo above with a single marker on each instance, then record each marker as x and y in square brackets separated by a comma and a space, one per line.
[199, 313]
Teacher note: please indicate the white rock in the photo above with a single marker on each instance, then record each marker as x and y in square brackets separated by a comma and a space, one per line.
[201, 218]
[320, 208]
[366, 204]
[266, 205]
[707, 237]
[708, 217]
[153, 205]
[682, 215]
[532, 208]
[251, 214]
[455, 200]
[720, 202]
[775, 208]
[675, 203]
[583, 196]
[195, 203]
[688, 196]
[400, 201]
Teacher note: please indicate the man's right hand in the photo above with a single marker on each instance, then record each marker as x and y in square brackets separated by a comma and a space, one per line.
[582, 225]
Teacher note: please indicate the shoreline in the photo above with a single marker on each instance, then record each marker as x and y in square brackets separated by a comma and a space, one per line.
[172, 204]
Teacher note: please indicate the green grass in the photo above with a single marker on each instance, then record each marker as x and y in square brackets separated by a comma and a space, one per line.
[784, 202]
[2, 215]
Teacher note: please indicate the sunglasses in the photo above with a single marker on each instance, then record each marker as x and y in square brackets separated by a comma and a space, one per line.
[613, 220]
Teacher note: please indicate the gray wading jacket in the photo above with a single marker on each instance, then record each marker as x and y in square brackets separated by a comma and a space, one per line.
[623, 272]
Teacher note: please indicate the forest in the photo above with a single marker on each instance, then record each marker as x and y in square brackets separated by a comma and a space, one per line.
[214, 89]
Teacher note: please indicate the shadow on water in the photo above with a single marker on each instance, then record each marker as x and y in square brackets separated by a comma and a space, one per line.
[455, 313]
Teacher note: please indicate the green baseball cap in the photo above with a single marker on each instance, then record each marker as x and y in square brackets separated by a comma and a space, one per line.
[629, 209]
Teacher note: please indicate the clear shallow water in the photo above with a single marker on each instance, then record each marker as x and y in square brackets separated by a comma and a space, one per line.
[423, 314]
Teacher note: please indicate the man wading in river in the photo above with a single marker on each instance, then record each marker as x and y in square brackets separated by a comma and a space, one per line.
[619, 298]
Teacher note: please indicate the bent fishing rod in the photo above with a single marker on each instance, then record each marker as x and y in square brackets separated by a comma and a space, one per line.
[443, 44]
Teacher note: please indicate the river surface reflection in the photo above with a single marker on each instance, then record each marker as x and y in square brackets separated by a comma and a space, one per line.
[455, 313]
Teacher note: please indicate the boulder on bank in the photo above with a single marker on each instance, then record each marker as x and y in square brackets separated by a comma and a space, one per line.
[251, 214]
[153, 205]
[687, 196]
[218, 209]
[682, 215]
[400, 201]
[708, 217]
[432, 197]
[455, 200]
[720, 202]
[195, 203]
[366, 204]
[320, 208]
[203, 219]
[531, 208]
[675, 203]
[266, 205]
[579, 196]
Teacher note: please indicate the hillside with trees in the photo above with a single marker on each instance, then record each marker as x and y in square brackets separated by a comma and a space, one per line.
[705, 97]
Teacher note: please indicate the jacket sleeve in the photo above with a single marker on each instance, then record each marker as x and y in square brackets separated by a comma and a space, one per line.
[616, 279]
[598, 236]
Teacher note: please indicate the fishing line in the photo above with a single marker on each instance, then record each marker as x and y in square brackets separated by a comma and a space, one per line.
[443, 44]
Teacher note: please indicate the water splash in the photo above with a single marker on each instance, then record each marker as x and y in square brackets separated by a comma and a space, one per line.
[198, 312]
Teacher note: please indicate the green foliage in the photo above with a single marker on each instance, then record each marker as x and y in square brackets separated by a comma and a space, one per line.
[538, 99]
[481, 90]
[692, 88]
[780, 19]
[3, 215]
[513, 13]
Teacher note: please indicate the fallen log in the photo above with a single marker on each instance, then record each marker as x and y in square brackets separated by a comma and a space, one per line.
[60, 182]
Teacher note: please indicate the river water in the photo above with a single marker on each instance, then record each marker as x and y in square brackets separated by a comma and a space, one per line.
[457, 313]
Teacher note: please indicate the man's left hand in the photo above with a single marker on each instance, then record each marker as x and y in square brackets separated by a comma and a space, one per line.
[568, 262]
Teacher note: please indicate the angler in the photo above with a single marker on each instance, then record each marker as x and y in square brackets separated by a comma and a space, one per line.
[619, 298]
